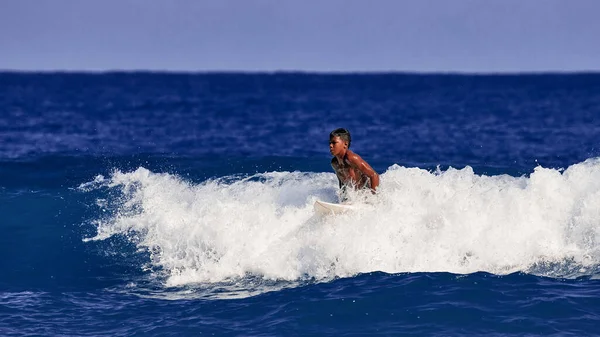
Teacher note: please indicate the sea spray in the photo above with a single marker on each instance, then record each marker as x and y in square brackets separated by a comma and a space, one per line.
[423, 221]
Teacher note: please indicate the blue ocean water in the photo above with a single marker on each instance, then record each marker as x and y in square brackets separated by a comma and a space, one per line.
[165, 204]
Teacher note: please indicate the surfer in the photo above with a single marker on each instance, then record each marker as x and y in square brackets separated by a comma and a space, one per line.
[351, 170]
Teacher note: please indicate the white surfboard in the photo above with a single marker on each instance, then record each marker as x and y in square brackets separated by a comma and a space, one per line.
[327, 208]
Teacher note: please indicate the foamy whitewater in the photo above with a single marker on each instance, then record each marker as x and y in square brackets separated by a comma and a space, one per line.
[263, 225]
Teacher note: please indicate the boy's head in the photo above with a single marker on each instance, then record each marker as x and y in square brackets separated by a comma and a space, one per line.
[343, 134]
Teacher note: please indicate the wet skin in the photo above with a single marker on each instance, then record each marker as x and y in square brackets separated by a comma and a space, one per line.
[350, 168]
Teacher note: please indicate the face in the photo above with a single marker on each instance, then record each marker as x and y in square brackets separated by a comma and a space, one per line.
[337, 146]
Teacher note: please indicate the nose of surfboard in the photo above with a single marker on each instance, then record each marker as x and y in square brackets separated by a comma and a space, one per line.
[327, 208]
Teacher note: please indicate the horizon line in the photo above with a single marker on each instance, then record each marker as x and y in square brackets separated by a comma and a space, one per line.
[299, 72]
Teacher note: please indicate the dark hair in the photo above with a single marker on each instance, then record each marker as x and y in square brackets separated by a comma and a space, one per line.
[343, 134]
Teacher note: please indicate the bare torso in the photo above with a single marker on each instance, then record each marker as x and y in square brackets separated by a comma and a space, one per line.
[349, 175]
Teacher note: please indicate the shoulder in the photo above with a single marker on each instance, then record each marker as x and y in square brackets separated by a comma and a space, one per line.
[353, 158]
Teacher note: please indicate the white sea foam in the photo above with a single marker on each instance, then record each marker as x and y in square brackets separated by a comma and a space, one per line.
[455, 221]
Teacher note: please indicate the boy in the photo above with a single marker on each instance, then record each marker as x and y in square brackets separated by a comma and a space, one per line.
[349, 167]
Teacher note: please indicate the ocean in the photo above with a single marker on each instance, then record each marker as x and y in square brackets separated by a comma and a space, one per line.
[181, 204]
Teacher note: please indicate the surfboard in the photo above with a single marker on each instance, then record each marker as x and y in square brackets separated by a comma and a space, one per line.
[327, 208]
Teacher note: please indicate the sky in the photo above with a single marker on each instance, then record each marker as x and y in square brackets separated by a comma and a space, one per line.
[476, 36]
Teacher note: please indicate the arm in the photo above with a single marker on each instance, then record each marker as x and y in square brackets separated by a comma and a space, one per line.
[334, 165]
[365, 168]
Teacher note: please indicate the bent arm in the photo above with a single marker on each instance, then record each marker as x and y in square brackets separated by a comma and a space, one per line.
[374, 180]
[366, 169]
[335, 167]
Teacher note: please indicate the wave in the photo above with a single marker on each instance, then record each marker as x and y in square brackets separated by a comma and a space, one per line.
[264, 226]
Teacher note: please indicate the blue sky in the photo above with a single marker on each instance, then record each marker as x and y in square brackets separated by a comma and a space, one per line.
[324, 35]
